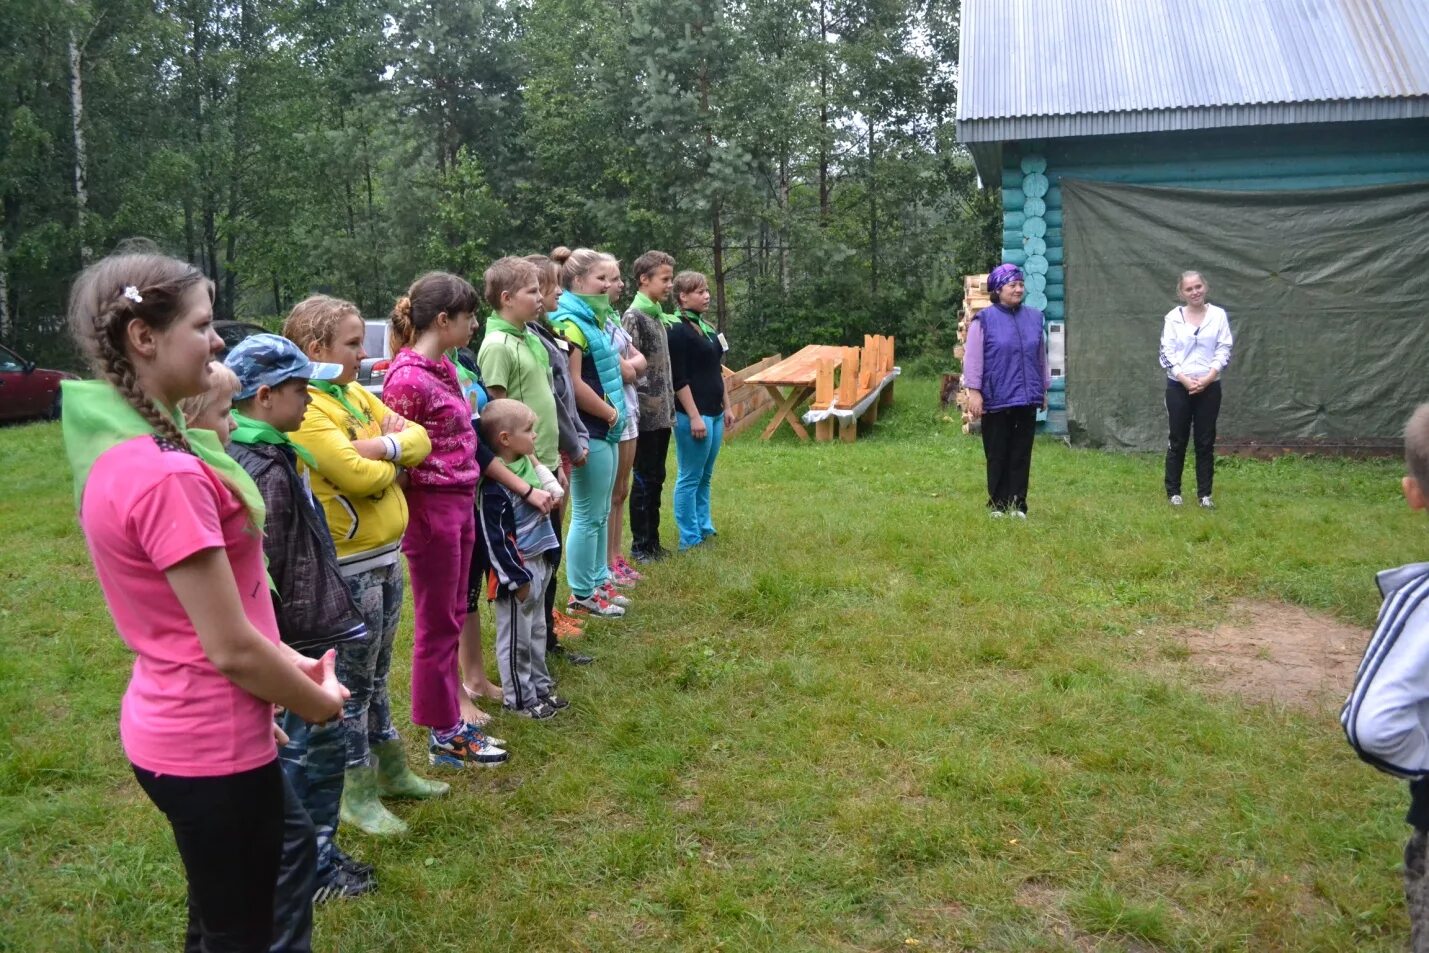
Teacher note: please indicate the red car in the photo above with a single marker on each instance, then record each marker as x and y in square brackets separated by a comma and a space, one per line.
[26, 390]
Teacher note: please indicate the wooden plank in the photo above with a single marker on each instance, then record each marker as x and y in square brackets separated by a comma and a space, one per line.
[848, 429]
[824, 385]
[848, 377]
[801, 368]
[744, 374]
[824, 430]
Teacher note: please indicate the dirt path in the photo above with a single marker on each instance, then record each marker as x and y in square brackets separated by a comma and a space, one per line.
[1279, 653]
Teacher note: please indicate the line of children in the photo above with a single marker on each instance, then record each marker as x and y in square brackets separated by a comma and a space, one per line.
[174, 529]
[335, 484]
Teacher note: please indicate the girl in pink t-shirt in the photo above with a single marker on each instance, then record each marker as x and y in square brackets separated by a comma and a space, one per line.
[175, 534]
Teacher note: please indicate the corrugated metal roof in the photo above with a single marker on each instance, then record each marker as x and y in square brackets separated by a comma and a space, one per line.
[1045, 58]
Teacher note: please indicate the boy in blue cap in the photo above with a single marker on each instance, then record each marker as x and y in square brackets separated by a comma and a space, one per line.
[314, 607]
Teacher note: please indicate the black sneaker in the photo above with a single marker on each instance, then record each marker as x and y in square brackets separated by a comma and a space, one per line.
[537, 712]
[343, 884]
[569, 655]
[351, 864]
[556, 702]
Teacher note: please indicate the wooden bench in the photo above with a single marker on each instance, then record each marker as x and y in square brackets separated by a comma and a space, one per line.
[839, 379]
[746, 401]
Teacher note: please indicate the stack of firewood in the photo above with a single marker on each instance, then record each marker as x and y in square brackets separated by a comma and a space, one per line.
[975, 298]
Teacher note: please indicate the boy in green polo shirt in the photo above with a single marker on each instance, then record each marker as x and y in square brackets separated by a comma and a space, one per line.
[513, 361]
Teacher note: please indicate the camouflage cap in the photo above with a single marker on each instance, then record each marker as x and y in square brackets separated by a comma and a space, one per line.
[271, 359]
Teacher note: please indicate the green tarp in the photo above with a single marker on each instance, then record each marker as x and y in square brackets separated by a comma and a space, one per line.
[1328, 296]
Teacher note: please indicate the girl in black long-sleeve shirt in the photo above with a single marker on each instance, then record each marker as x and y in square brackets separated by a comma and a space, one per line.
[701, 407]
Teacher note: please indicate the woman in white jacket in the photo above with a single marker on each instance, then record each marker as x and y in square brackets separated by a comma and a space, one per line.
[1195, 349]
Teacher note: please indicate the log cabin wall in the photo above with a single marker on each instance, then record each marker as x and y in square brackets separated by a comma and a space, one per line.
[1261, 158]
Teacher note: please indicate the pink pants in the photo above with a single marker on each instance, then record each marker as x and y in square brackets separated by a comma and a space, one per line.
[438, 544]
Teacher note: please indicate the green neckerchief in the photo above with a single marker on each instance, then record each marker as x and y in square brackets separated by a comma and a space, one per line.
[499, 325]
[525, 469]
[97, 418]
[687, 313]
[598, 304]
[647, 305]
[250, 431]
[338, 392]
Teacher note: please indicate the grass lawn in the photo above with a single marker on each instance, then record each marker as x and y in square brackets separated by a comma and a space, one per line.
[865, 718]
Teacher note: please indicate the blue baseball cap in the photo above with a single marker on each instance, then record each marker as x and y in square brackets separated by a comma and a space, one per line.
[271, 359]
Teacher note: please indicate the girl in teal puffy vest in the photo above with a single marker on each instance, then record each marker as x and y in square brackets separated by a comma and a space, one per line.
[595, 370]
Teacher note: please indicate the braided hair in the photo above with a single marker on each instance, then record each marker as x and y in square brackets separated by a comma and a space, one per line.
[102, 306]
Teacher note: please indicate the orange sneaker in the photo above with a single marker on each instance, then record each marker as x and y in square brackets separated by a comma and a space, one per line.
[567, 627]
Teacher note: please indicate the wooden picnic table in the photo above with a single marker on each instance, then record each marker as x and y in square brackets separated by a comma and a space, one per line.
[791, 382]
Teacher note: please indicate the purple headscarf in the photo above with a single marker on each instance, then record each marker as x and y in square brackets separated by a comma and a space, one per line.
[1003, 274]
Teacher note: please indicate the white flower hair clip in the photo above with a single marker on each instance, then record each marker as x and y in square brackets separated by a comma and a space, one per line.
[132, 293]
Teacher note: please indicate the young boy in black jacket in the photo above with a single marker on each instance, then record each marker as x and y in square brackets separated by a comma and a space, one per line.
[518, 536]
[314, 607]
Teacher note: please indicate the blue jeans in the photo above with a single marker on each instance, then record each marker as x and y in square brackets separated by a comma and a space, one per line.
[587, 542]
[695, 462]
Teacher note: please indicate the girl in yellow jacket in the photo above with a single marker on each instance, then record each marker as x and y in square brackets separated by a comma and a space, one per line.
[361, 449]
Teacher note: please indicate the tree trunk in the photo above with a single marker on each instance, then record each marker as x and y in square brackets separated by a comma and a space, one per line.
[872, 209]
[783, 235]
[718, 266]
[824, 145]
[374, 251]
[81, 186]
[6, 328]
[717, 226]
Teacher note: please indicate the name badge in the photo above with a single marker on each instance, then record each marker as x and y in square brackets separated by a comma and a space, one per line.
[724, 345]
[563, 344]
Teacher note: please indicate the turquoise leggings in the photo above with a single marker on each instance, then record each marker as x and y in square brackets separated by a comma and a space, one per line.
[696, 462]
[587, 545]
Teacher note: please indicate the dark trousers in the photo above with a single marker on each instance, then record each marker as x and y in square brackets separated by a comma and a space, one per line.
[297, 878]
[1188, 414]
[1007, 444]
[553, 556]
[647, 483]
[314, 763]
[229, 831]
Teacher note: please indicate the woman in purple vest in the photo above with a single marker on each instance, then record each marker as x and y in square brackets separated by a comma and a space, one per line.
[1006, 375]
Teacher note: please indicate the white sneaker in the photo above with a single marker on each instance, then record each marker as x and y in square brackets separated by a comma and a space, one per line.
[1175, 499]
[613, 596]
[997, 514]
[1019, 515]
[1206, 503]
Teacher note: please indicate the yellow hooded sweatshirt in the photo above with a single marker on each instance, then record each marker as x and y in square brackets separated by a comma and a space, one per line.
[366, 511]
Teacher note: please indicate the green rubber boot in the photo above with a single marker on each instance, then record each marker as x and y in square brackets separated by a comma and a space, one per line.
[361, 808]
[395, 779]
